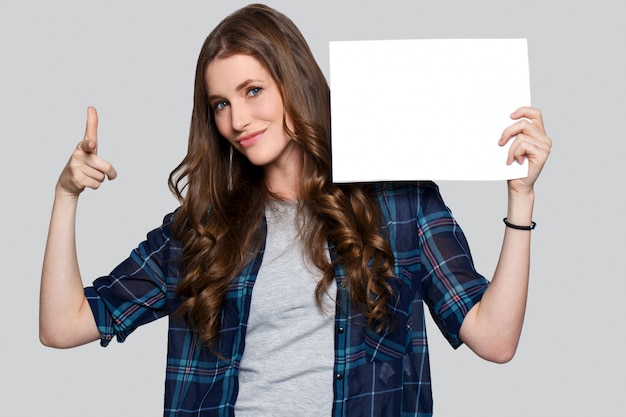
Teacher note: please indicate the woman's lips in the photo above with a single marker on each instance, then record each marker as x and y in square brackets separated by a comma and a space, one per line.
[249, 140]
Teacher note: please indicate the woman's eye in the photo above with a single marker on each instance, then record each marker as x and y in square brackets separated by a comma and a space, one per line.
[219, 105]
[253, 91]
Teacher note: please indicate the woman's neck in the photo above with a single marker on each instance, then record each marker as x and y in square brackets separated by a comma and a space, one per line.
[283, 178]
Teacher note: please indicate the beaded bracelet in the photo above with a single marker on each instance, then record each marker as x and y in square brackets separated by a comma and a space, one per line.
[514, 226]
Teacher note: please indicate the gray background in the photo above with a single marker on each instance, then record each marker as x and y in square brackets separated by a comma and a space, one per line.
[135, 61]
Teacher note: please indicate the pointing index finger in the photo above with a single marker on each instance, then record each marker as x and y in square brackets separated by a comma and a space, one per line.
[90, 141]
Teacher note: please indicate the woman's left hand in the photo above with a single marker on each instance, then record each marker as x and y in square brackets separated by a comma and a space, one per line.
[530, 142]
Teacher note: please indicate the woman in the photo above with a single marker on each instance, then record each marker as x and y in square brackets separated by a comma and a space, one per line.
[340, 273]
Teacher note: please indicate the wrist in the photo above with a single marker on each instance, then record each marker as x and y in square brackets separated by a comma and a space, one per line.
[521, 198]
[520, 206]
[61, 194]
[520, 191]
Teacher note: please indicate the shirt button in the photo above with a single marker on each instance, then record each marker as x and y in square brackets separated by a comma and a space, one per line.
[340, 330]
[339, 377]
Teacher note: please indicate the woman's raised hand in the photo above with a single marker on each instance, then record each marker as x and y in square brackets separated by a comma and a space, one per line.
[84, 168]
[530, 142]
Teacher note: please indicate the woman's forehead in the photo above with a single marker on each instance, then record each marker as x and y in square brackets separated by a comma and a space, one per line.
[228, 73]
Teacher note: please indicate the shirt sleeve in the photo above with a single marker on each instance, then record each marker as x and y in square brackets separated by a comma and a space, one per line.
[450, 284]
[135, 292]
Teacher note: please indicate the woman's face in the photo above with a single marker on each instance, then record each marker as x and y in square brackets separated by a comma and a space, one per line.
[248, 110]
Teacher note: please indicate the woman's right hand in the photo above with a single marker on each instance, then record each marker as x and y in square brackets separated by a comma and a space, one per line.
[84, 168]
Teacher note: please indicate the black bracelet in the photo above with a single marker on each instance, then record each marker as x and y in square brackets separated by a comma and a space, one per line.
[514, 226]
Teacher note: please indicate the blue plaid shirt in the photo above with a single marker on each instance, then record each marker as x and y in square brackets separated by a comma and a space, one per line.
[374, 374]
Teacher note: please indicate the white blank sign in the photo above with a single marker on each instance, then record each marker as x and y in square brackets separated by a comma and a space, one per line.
[425, 109]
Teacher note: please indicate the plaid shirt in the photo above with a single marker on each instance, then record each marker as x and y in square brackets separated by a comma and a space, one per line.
[374, 374]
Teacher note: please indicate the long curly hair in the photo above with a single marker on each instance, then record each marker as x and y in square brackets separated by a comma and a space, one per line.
[223, 195]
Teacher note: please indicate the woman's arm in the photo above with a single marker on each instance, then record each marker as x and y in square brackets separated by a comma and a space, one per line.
[65, 319]
[493, 326]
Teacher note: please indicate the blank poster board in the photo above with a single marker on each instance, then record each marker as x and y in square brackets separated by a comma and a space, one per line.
[425, 109]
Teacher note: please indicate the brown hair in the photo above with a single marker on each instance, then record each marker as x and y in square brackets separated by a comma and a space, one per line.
[223, 195]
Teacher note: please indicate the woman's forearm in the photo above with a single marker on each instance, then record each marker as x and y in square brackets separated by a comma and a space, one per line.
[493, 327]
[65, 319]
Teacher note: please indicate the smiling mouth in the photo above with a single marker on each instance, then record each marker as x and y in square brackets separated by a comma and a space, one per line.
[249, 140]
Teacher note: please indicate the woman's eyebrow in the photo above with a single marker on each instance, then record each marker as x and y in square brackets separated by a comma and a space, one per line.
[246, 82]
[239, 87]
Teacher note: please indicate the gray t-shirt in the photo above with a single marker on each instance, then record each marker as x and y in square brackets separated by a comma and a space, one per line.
[287, 365]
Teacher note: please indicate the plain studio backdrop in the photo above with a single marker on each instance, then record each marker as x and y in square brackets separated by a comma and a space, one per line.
[135, 61]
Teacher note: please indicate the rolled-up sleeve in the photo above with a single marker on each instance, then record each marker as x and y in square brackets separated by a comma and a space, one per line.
[135, 292]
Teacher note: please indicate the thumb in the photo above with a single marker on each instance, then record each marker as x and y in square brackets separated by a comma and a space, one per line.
[90, 141]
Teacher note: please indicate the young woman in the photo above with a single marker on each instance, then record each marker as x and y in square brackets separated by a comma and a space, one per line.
[287, 294]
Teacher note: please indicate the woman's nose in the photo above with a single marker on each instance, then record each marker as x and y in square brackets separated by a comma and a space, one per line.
[240, 117]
